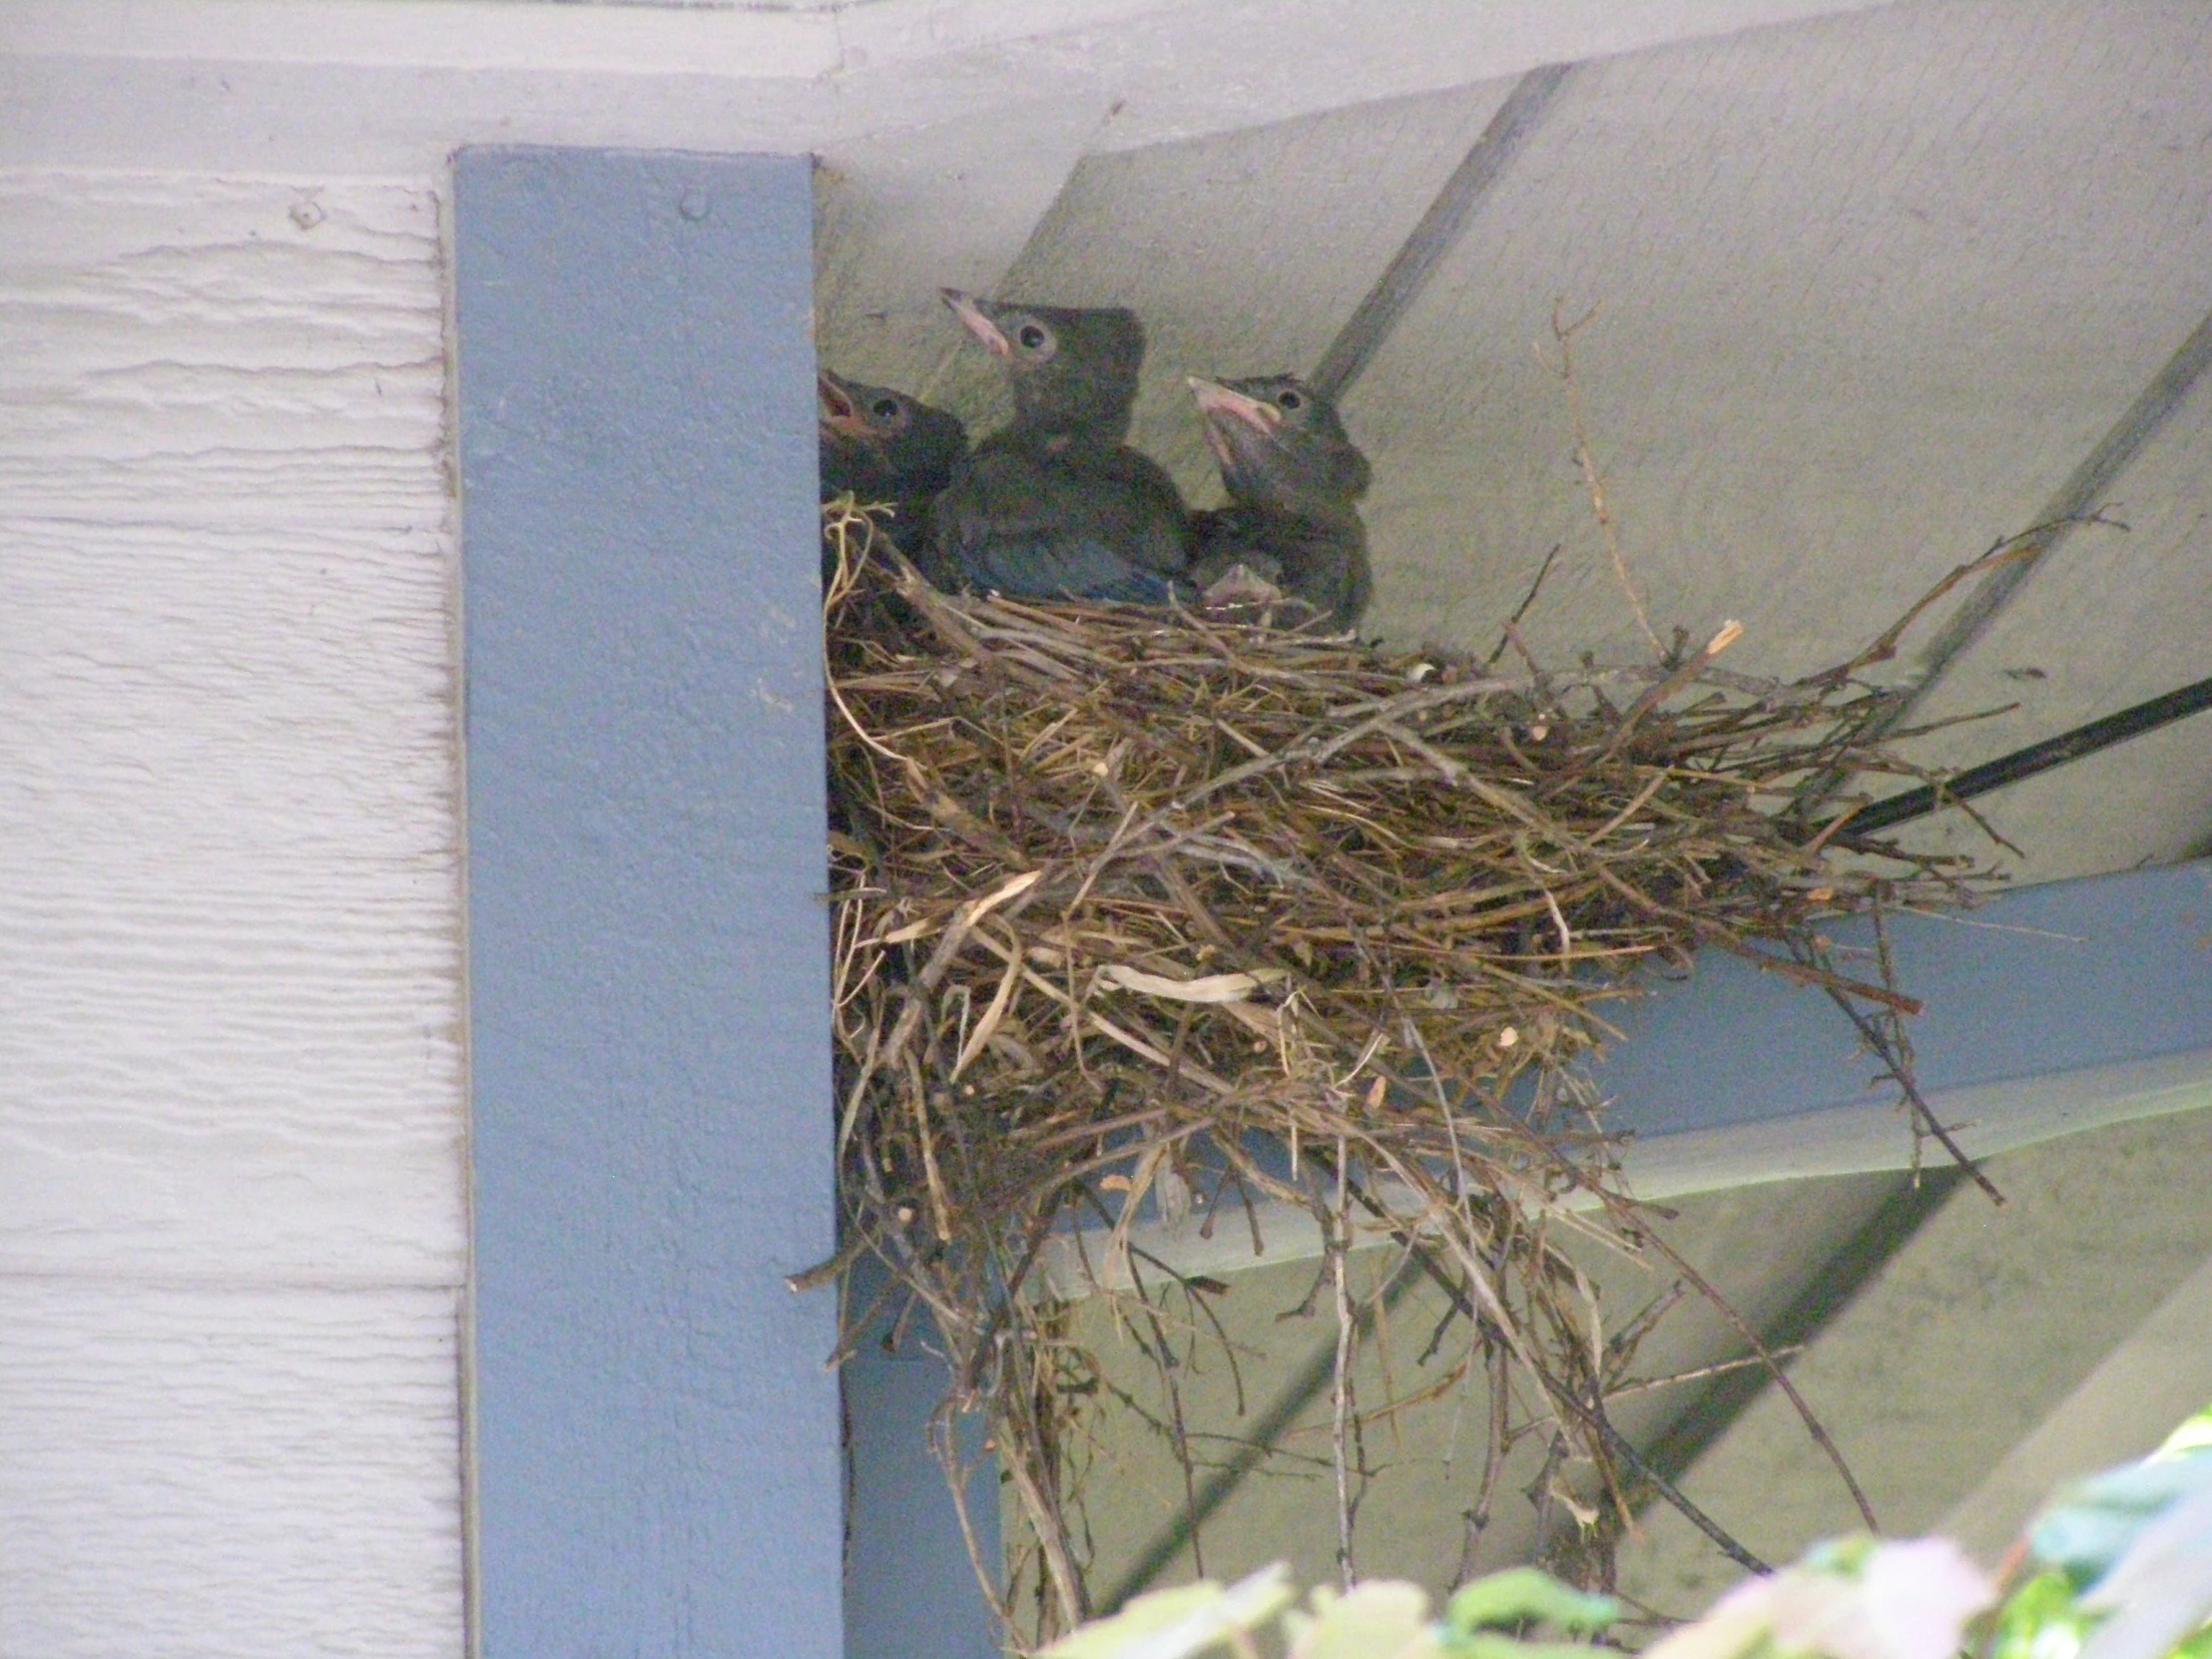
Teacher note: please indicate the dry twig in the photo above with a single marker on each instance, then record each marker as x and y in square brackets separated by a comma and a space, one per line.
[1135, 905]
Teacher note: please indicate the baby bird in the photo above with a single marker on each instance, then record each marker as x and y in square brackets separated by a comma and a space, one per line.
[1056, 505]
[1073, 372]
[1294, 476]
[883, 445]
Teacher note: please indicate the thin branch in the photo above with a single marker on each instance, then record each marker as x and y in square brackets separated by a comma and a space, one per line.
[1339, 1238]
[1592, 479]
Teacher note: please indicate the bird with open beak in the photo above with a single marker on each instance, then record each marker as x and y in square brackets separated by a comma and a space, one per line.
[1055, 505]
[882, 445]
[1293, 479]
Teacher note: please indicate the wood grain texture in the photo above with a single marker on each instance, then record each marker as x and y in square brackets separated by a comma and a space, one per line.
[897, 217]
[2160, 1375]
[1758, 1245]
[1867, 289]
[220, 353]
[1197, 239]
[190, 1472]
[290, 85]
[231, 830]
[657, 1439]
[2111, 618]
[231, 1215]
[1953, 1352]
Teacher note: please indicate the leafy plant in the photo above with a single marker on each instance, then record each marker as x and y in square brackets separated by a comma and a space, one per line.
[2117, 1566]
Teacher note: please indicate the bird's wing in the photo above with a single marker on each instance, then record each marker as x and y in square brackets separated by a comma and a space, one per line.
[1041, 526]
[1141, 510]
[1225, 537]
[1059, 568]
[1328, 567]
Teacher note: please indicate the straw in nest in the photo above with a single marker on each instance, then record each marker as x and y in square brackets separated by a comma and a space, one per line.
[1137, 904]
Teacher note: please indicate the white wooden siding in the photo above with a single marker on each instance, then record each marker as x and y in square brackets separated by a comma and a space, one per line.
[214, 1472]
[232, 1223]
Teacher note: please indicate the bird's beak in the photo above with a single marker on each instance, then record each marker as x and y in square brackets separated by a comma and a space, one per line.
[970, 314]
[1214, 398]
[836, 410]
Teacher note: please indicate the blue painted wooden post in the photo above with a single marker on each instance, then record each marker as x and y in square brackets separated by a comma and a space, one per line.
[657, 1464]
[909, 1584]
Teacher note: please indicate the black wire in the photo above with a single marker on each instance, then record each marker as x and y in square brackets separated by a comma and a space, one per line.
[2074, 504]
[2035, 758]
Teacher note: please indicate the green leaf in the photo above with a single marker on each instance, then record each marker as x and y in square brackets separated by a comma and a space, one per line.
[1481, 1644]
[1176, 1623]
[2041, 1620]
[1845, 1557]
[2160, 1592]
[2194, 1432]
[2092, 1523]
[1521, 1595]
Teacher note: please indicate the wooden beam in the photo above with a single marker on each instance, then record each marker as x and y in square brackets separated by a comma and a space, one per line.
[656, 1437]
[2050, 1011]
[322, 85]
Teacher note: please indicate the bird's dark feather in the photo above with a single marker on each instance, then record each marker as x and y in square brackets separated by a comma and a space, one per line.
[1293, 479]
[1085, 522]
[1056, 505]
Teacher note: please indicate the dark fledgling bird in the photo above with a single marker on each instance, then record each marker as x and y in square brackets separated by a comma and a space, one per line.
[883, 445]
[1073, 372]
[1056, 505]
[1293, 477]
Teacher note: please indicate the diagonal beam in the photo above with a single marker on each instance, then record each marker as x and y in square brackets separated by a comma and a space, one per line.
[1887, 1231]
[2142, 1388]
[2080, 495]
[1409, 271]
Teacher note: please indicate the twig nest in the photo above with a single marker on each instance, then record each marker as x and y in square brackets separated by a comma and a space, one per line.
[1127, 897]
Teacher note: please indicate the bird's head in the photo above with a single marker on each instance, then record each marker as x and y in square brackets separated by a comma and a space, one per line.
[1279, 443]
[916, 445]
[1073, 368]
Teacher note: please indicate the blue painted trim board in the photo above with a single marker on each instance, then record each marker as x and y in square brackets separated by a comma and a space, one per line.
[2049, 1010]
[656, 1436]
[909, 1585]
[2068, 976]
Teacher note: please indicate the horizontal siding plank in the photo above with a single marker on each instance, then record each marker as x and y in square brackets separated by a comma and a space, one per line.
[198, 1473]
[232, 839]
[217, 351]
[229, 821]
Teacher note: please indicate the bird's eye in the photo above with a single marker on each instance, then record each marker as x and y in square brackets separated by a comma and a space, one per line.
[1289, 400]
[1032, 337]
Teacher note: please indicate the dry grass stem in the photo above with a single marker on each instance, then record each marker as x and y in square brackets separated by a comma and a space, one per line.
[1147, 915]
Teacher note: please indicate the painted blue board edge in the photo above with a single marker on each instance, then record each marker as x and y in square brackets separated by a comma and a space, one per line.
[2049, 1009]
[657, 1439]
[909, 1582]
[2066, 976]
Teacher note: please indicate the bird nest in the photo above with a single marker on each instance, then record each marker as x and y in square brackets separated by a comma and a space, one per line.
[1143, 909]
